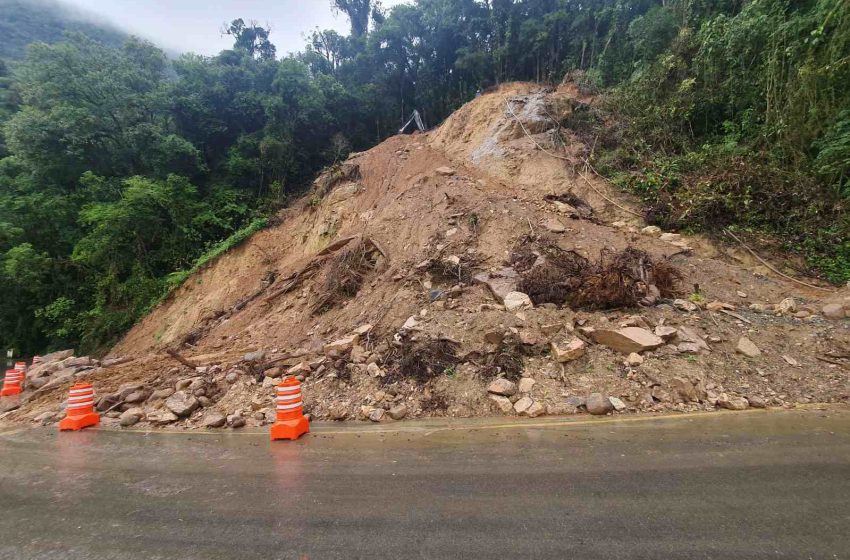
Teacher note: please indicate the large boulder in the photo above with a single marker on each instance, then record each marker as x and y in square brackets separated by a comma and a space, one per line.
[182, 404]
[598, 404]
[568, 352]
[627, 340]
[500, 282]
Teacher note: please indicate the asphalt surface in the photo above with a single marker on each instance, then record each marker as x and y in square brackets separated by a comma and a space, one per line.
[727, 485]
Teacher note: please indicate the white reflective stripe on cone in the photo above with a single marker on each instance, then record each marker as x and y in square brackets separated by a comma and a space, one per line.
[289, 391]
[78, 401]
[75, 406]
[289, 397]
[299, 404]
[79, 396]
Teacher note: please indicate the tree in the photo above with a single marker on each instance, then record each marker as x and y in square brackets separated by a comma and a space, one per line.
[251, 38]
[358, 12]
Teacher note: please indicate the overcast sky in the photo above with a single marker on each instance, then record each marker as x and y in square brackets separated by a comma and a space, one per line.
[194, 25]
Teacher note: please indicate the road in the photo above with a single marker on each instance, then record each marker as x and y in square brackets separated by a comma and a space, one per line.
[725, 485]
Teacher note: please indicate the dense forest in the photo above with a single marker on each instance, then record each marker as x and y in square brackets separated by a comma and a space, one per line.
[121, 171]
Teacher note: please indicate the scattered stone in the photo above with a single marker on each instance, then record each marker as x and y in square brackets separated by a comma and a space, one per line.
[523, 404]
[654, 231]
[628, 340]
[136, 397]
[526, 384]
[791, 361]
[787, 305]
[398, 412]
[573, 350]
[747, 347]
[500, 282]
[575, 402]
[376, 414]
[732, 403]
[555, 226]
[515, 301]
[161, 417]
[833, 311]
[665, 332]
[494, 337]
[301, 368]
[342, 345]
[374, 370]
[618, 405]
[48, 417]
[182, 404]
[634, 359]
[504, 403]
[445, 171]
[685, 305]
[536, 409]
[598, 405]
[162, 393]
[756, 401]
[502, 386]
[758, 308]
[688, 348]
[718, 305]
[256, 356]
[687, 390]
[235, 421]
[213, 419]
[410, 324]
[552, 329]
[130, 417]
[338, 412]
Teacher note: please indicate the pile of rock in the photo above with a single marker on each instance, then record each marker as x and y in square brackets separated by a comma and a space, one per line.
[57, 368]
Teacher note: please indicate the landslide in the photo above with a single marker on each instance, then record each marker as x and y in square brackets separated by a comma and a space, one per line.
[390, 242]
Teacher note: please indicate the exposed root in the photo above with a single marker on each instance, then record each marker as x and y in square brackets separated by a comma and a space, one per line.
[421, 361]
[455, 270]
[344, 274]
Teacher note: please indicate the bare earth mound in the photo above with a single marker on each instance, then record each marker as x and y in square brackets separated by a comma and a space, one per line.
[420, 274]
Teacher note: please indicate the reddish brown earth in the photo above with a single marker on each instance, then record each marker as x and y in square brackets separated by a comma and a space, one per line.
[493, 197]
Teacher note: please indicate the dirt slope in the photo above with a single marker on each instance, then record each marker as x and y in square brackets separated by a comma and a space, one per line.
[470, 190]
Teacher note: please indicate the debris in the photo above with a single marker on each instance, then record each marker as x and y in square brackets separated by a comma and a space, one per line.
[515, 301]
[525, 384]
[182, 404]
[732, 403]
[536, 409]
[790, 361]
[786, 306]
[503, 403]
[618, 405]
[398, 412]
[573, 350]
[746, 347]
[523, 404]
[341, 345]
[598, 405]
[502, 387]
[756, 401]
[634, 359]
[130, 417]
[213, 419]
[654, 231]
[833, 311]
[554, 225]
[718, 306]
[627, 340]
[376, 414]
[421, 361]
[665, 333]
[500, 282]
[685, 305]
[444, 171]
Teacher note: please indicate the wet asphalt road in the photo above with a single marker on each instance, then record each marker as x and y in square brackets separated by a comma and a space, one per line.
[758, 485]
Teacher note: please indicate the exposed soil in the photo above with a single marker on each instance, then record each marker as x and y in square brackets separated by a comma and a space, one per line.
[416, 235]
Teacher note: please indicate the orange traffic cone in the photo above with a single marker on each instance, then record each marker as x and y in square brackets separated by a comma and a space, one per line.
[80, 412]
[291, 423]
[12, 382]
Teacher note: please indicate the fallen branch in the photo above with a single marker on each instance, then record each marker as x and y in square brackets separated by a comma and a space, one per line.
[767, 264]
[181, 359]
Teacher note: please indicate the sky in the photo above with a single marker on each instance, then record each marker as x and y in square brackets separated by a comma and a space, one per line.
[195, 25]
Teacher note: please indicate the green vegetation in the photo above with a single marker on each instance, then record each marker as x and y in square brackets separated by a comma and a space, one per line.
[122, 172]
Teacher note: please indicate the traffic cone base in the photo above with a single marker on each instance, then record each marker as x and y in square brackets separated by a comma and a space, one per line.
[77, 423]
[9, 391]
[290, 429]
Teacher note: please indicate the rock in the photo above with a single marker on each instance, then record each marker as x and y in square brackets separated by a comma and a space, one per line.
[685, 305]
[162, 393]
[494, 337]
[502, 386]
[627, 340]
[301, 368]
[618, 405]
[342, 345]
[398, 412]
[182, 404]
[634, 359]
[161, 417]
[338, 412]
[213, 419]
[665, 332]
[598, 405]
[231, 377]
[833, 311]
[77, 362]
[688, 348]
[670, 237]
[555, 226]
[732, 403]
[515, 301]
[787, 305]
[204, 401]
[500, 282]
[686, 334]
[718, 305]
[758, 308]
[235, 421]
[137, 397]
[536, 409]
[686, 390]
[375, 371]
[254, 356]
[791, 361]
[56, 356]
[525, 384]
[565, 208]
[503, 403]
[573, 350]
[376, 414]
[48, 417]
[756, 401]
[444, 171]
[116, 361]
[522, 404]
[130, 417]
[654, 231]
[410, 324]
[746, 347]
